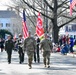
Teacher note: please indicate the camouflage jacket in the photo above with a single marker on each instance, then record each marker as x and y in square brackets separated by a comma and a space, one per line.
[46, 45]
[30, 44]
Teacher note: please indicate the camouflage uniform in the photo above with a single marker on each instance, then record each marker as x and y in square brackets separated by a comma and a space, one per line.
[30, 46]
[46, 45]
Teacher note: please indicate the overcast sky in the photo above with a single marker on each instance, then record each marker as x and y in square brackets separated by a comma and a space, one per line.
[3, 4]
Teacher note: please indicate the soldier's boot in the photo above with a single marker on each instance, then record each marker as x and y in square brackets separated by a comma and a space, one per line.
[29, 66]
[30, 62]
[48, 62]
[44, 62]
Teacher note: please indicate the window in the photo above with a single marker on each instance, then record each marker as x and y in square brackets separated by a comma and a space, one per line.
[74, 27]
[7, 24]
[69, 27]
[66, 28]
[1, 24]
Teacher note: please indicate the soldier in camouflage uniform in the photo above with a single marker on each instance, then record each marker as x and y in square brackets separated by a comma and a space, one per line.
[46, 45]
[30, 46]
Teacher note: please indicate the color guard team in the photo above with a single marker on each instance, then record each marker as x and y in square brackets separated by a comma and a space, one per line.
[32, 46]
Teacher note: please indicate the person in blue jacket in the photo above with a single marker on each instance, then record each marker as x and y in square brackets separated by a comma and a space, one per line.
[65, 49]
[71, 44]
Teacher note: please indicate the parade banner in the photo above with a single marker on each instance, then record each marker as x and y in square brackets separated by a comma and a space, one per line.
[39, 26]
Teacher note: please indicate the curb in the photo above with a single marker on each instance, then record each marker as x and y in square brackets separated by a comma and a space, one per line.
[71, 54]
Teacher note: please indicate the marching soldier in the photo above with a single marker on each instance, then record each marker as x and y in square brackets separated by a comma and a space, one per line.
[46, 45]
[30, 46]
[20, 42]
[9, 45]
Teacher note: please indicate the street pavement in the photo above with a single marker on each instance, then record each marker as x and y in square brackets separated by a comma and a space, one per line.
[60, 65]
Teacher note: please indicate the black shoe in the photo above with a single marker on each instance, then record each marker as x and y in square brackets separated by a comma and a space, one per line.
[38, 61]
[20, 62]
[48, 66]
[9, 62]
[45, 66]
[35, 61]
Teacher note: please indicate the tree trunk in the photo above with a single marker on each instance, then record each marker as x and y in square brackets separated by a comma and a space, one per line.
[54, 21]
[55, 33]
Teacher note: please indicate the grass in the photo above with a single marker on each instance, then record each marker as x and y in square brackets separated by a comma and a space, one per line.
[74, 46]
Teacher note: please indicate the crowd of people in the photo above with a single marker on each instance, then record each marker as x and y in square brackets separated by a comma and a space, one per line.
[32, 46]
[65, 45]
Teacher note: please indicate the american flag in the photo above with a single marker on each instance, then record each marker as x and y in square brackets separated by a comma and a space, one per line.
[39, 26]
[24, 27]
[72, 4]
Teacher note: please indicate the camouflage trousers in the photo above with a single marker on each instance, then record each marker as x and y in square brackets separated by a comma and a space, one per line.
[46, 57]
[30, 57]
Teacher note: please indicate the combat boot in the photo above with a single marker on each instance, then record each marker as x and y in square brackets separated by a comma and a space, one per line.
[30, 66]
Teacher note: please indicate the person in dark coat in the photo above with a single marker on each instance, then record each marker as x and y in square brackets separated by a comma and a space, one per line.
[9, 45]
[36, 53]
[1, 44]
[20, 42]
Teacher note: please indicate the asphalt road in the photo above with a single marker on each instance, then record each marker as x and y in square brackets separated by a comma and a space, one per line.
[60, 65]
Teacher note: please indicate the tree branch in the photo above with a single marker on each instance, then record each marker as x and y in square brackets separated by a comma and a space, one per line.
[36, 9]
[48, 5]
[67, 22]
[59, 14]
[30, 19]
[64, 2]
[66, 16]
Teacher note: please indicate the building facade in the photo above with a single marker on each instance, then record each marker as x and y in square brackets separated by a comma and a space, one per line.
[69, 29]
[10, 21]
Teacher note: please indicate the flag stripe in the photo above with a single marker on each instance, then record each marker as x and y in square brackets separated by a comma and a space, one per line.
[72, 4]
[25, 29]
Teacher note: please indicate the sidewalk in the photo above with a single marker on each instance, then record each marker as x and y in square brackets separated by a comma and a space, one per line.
[71, 54]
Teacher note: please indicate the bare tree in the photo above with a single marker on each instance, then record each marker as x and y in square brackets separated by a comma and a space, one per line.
[57, 9]
[53, 11]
